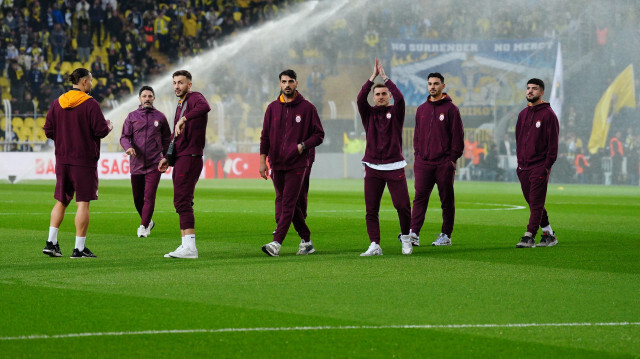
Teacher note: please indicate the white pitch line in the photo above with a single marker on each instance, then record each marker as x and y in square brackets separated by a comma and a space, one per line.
[506, 207]
[317, 328]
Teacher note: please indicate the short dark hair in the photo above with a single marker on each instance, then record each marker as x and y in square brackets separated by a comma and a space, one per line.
[184, 73]
[289, 73]
[536, 81]
[378, 85]
[78, 74]
[146, 88]
[436, 74]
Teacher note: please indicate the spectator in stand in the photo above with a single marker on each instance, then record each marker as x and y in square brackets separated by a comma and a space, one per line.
[57, 15]
[189, 25]
[617, 153]
[113, 25]
[98, 68]
[82, 12]
[56, 76]
[58, 40]
[83, 40]
[97, 16]
[581, 163]
[16, 75]
[135, 17]
[36, 80]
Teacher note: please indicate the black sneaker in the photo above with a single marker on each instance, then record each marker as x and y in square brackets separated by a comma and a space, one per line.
[548, 240]
[85, 253]
[526, 242]
[52, 250]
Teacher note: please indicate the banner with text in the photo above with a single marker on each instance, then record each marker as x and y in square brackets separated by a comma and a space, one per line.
[17, 166]
[482, 77]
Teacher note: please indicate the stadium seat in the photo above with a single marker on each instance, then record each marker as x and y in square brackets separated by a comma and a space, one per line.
[40, 122]
[16, 124]
[40, 136]
[66, 67]
[127, 82]
[78, 64]
[29, 122]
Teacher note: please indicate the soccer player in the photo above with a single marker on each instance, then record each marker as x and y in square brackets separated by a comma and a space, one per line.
[145, 138]
[76, 124]
[536, 149]
[383, 161]
[438, 142]
[291, 129]
[190, 125]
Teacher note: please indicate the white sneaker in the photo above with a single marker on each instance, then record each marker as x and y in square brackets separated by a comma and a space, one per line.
[373, 250]
[407, 247]
[305, 248]
[442, 240]
[142, 231]
[182, 252]
[150, 227]
[272, 249]
[415, 240]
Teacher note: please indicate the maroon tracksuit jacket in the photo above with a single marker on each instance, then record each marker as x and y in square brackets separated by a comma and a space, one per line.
[536, 149]
[192, 140]
[287, 124]
[148, 132]
[438, 140]
[76, 130]
[439, 134]
[383, 126]
[537, 137]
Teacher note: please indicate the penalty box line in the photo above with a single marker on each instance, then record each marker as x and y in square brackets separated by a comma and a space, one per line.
[315, 328]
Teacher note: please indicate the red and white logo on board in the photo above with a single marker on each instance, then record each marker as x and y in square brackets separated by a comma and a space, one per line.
[156, 123]
[298, 118]
[537, 124]
[389, 115]
[441, 118]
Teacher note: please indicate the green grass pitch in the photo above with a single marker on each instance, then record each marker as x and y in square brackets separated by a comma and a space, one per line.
[467, 300]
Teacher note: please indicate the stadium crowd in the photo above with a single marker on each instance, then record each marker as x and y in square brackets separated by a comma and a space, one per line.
[126, 44]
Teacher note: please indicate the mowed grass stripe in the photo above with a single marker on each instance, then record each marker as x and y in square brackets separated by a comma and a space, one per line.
[591, 276]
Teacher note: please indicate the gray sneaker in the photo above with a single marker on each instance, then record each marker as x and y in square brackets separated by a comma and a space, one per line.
[272, 249]
[548, 240]
[442, 240]
[526, 242]
[305, 248]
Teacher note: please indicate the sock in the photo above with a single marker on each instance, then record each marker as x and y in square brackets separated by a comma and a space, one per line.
[528, 234]
[190, 241]
[80, 242]
[183, 242]
[53, 235]
[548, 229]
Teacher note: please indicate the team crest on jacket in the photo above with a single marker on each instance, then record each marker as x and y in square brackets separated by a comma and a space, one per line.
[537, 124]
[441, 118]
[298, 118]
[156, 123]
[389, 115]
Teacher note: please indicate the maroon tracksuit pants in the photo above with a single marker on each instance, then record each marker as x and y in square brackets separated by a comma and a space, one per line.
[302, 198]
[534, 183]
[374, 183]
[288, 186]
[426, 176]
[186, 173]
[144, 187]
